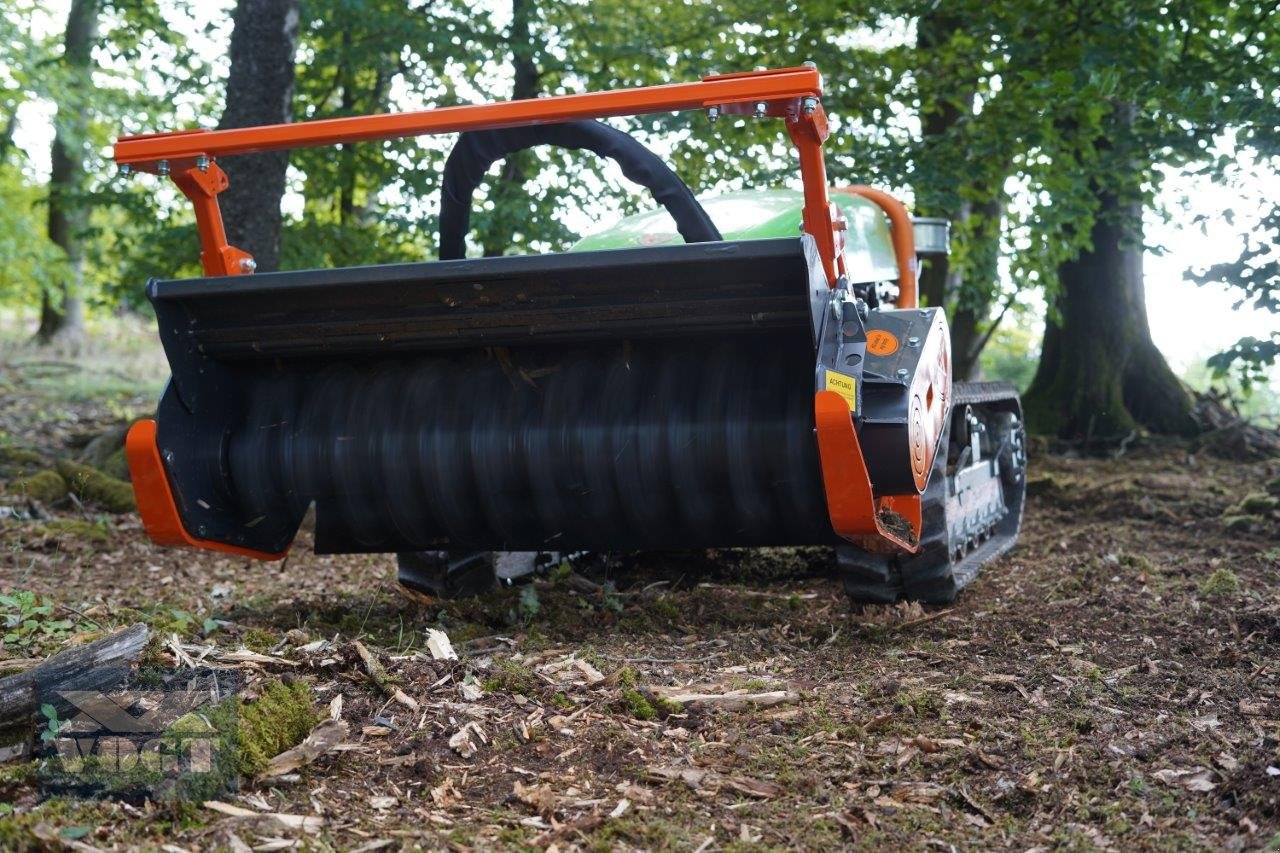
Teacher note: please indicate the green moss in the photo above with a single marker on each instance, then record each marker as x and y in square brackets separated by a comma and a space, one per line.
[1238, 523]
[625, 677]
[513, 678]
[46, 487]
[116, 465]
[1273, 487]
[259, 640]
[1221, 583]
[279, 719]
[637, 705]
[93, 486]
[10, 455]
[78, 529]
[1255, 503]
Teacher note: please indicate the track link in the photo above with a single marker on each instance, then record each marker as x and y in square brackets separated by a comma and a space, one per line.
[960, 531]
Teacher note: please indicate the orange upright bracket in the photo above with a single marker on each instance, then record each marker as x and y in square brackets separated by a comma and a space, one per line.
[856, 514]
[904, 241]
[201, 184]
[155, 497]
[789, 93]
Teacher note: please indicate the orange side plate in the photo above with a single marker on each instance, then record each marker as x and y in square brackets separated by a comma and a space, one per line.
[155, 497]
[854, 509]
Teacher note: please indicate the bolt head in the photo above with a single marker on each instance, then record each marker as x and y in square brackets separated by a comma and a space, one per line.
[761, 109]
[809, 106]
[809, 63]
[248, 265]
[126, 170]
[902, 373]
[713, 113]
[913, 341]
[162, 168]
[202, 163]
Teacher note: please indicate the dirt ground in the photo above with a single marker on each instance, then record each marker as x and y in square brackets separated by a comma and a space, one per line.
[1113, 682]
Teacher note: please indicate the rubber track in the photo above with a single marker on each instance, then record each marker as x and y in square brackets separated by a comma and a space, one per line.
[933, 575]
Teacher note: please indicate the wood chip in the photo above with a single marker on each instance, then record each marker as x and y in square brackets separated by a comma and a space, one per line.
[439, 646]
[324, 737]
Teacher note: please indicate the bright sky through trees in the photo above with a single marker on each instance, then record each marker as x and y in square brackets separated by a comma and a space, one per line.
[1188, 322]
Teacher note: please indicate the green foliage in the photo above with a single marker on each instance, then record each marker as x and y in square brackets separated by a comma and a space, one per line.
[1253, 398]
[29, 622]
[1011, 355]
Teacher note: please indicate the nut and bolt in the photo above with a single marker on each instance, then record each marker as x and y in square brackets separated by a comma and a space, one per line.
[126, 170]
[162, 168]
[809, 63]
[202, 163]
[809, 106]
[913, 341]
[713, 113]
[761, 109]
[248, 265]
[902, 373]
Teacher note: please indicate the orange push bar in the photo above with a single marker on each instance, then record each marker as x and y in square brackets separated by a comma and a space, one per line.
[792, 94]
[904, 240]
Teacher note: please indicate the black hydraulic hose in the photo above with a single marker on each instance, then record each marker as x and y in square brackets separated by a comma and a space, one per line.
[477, 150]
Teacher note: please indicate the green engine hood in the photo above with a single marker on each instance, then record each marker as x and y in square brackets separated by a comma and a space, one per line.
[762, 214]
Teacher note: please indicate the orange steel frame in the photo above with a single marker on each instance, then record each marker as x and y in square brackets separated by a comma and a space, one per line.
[792, 94]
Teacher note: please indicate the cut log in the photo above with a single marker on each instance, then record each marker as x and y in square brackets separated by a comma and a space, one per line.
[93, 666]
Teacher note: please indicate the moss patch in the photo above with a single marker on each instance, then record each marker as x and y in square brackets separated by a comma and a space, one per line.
[77, 529]
[513, 678]
[46, 487]
[1255, 503]
[1221, 583]
[15, 461]
[90, 484]
[278, 720]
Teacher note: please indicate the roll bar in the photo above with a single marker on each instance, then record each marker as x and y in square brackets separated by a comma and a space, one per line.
[792, 94]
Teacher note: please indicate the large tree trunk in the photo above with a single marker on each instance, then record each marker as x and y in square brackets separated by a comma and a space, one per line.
[1100, 374]
[62, 309]
[259, 91]
[495, 230]
[966, 293]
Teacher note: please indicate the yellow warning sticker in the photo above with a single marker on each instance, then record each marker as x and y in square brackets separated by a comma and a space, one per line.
[845, 386]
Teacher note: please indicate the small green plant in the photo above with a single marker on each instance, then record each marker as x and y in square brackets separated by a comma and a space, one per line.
[529, 604]
[29, 622]
[1221, 583]
[52, 723]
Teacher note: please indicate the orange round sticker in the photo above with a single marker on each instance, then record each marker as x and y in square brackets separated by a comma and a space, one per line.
[880, 342]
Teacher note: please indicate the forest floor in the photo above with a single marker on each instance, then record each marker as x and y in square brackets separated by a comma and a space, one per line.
[1112, 682]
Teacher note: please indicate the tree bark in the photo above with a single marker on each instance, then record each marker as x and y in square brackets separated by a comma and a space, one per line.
[1100, 375]
[259, 91]
[62, 308]
[495, 239]
[966, 293]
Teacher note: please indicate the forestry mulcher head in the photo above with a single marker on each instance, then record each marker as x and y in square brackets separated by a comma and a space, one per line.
[738, 389]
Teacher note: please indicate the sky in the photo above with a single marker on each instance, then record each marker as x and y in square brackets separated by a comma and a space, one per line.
[1188, 322]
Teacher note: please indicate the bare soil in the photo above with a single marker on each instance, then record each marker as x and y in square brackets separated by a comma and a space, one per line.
[1113, 682]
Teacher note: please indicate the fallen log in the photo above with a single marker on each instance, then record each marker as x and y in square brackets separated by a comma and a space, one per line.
[99, 665]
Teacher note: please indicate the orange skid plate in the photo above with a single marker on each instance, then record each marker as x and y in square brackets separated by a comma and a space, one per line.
[856, 513]
[155, 497]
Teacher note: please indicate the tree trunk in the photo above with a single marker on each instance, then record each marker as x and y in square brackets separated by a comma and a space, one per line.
[1100, 374]
[509, 187]
[259, 91]
[966, 293]
[62, 309]
[938, 115]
